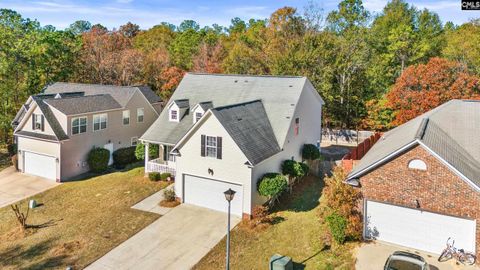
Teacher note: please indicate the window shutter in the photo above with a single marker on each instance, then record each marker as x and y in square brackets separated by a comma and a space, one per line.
[219, 147]
[33, 121]
[202, 146]
[43, 122]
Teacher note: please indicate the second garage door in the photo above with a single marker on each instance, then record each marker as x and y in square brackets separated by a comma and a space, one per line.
[40, 165]
[208, 193]
[417, 229]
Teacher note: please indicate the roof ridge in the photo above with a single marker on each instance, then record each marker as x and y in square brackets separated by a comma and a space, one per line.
[245, 75]
[99, 84]
[237, 104]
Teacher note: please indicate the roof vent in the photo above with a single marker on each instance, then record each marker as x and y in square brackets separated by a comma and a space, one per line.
[290, 86]
[235, 81]
[246, 81]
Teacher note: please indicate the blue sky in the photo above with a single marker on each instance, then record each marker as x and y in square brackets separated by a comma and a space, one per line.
[146, 13]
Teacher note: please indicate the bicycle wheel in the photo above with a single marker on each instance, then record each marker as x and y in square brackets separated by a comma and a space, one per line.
[467, 258]
[445, 256]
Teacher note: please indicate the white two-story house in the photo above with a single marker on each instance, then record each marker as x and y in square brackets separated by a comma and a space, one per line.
[226, 131]
[56, 130]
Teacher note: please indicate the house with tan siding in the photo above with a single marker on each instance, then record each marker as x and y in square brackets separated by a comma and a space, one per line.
[226, 131]
[55, 130]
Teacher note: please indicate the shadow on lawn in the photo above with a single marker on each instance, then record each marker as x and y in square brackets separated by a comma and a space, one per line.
[18, 254]
[305, 196]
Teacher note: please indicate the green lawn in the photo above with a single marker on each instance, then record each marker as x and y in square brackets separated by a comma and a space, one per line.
[297, 233]
[78, 222]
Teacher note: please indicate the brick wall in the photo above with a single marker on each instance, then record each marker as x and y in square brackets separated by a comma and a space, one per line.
[438, 189]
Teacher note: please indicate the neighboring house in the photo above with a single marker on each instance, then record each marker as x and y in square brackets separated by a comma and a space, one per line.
[55, 130]
[226, 131]
[421, 181]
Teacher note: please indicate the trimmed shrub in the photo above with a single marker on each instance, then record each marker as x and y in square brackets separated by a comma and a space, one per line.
[310, 152]
[98, 159]
[292, 168]
[305, 168]
[140, 151]
[169, 195]
[337, 225]
[124, 156]
[154, 176]
[272, 185]
[164, 176]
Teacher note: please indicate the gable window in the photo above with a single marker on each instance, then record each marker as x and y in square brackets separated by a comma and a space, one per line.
[126, 117]
[417, 164]
[37, 122]
[79, 125]
[140, 114]
[297, 126]
[99, 122]
[211, 146]
[173, 115]
[198, 115]
[134, 141]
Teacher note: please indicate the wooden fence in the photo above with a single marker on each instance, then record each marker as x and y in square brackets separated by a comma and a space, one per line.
[357, 153]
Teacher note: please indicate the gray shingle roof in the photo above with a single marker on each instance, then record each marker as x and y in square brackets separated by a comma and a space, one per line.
[121, 94]
[182, 103]
[279, 96]
[450, 130]
[50, 117]
[206, 105]
[248, 125]
[85, 104]
[36, 135]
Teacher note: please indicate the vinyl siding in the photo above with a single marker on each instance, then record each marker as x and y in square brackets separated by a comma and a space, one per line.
[39, 147]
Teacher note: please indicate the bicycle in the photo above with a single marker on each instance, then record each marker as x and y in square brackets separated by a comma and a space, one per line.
[460, 255]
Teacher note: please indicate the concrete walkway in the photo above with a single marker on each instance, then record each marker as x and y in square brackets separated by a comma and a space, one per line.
[15, 186]
[374, 255]
[177, 240]
[150, 204]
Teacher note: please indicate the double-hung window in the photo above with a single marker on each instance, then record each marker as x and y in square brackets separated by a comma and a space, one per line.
[79, 125]
[173, 115]
[37, 121]
[126, 117]
[99, 122]
[198, 115]
[211, 146]
[140, 114]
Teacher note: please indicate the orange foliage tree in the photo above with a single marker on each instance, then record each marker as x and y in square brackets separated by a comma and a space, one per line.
[170, 77]
[423, 87]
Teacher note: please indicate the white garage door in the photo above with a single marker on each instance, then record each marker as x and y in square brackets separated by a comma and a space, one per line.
[40, 165]
[209, 193]
[417, 229]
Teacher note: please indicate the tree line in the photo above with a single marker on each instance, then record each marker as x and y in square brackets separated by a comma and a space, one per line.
[374, 71]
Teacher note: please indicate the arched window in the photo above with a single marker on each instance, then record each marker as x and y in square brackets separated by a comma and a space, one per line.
[417, 164]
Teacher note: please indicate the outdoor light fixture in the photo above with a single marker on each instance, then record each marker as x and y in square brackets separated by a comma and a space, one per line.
[417, 203]
[229, 195]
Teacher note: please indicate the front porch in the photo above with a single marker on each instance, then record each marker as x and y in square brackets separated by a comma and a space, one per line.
[163, 163]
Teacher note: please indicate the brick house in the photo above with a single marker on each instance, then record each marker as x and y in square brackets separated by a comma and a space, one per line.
[421, 181]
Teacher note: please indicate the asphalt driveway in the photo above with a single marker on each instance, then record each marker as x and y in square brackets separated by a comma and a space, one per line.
[15, 186]
[177, 240]
[373, 256]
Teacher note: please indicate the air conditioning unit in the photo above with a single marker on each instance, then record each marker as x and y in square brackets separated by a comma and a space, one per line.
[279, 262]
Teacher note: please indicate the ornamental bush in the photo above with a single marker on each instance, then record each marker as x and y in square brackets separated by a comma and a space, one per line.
[169, 195]
[164, 176]
[124, 156]
[305, 168]
[292, 168]
[98, 159]
[310, 152]
[154, 176]
[140, 151]
[337, 224]
[272, 185]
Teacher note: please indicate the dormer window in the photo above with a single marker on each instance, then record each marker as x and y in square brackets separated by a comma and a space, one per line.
[198, 115]
[173, 115]
[37, 122]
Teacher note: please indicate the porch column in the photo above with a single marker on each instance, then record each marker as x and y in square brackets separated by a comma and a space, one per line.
[146, 155]
[161, 152]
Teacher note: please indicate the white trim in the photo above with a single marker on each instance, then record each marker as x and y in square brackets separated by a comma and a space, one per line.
[146, 100]
[206, 146]
[380, 161]
[131, 141]
[468, 181]
[170, 111]
[100, 123]
[209, 112]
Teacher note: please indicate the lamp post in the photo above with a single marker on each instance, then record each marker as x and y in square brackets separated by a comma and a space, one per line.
[229, 194]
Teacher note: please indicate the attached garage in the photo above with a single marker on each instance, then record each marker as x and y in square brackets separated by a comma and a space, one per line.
[40, 165]
[416, 228]
[208, 193]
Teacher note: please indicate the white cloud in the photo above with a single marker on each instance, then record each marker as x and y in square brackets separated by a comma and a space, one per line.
[124, 1]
